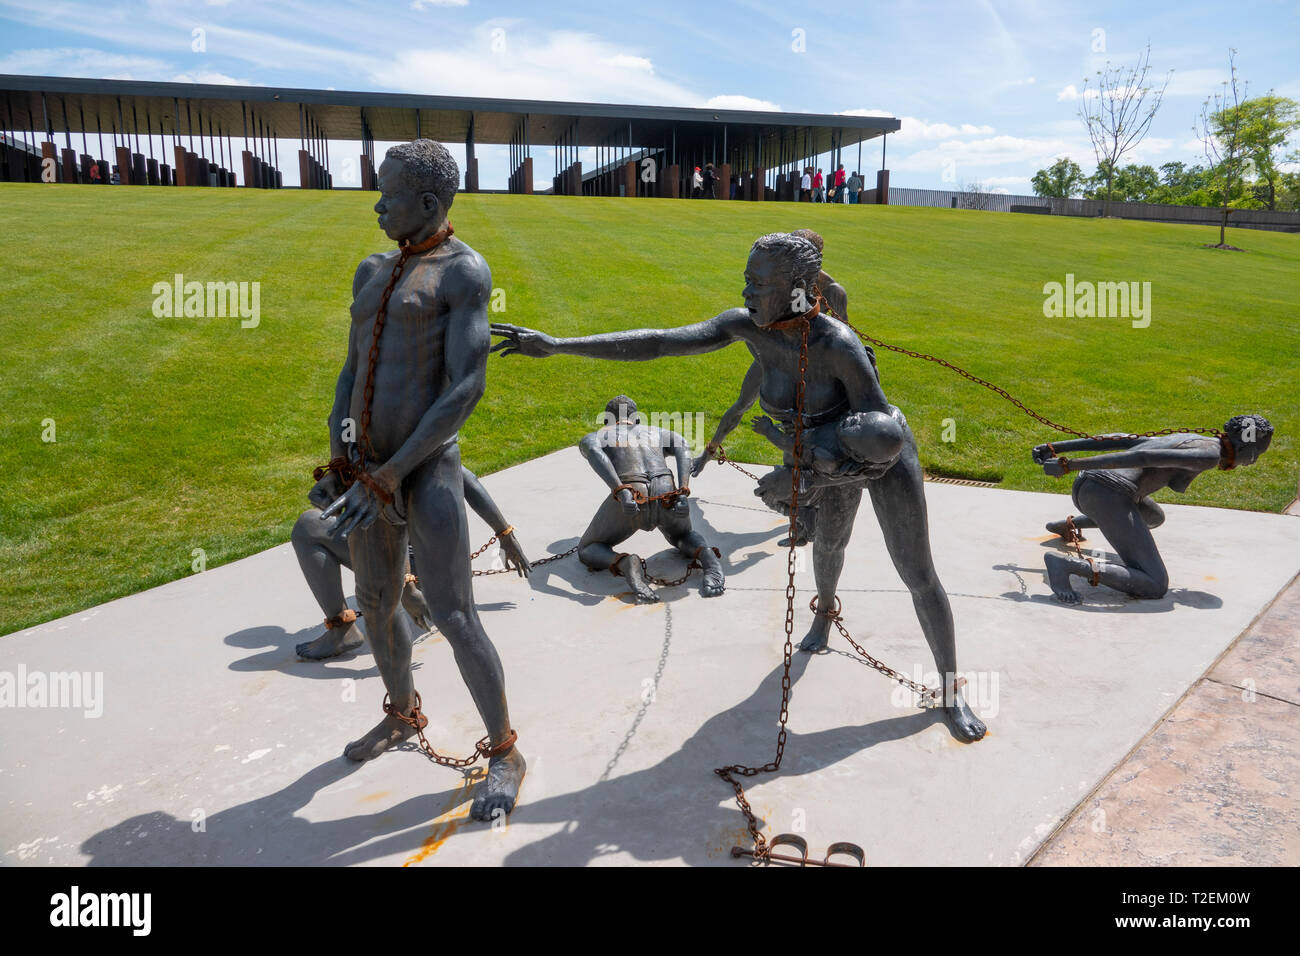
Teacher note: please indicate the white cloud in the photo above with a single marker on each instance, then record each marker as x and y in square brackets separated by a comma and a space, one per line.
[865, 112]
[212, 76]
[736, 102]
[80, 61]
[1071, 94]
[426, 4]
[558, 65]
[622, 61]
[919, 129]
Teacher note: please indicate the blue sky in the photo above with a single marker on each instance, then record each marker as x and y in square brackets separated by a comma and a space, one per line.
[987, 91]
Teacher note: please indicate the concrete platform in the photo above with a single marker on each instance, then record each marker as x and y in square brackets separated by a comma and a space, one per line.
[216, 745]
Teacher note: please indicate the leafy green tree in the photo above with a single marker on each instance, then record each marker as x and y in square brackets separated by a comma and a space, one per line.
[1266, 124]
[1132, 183]
[1061, 180]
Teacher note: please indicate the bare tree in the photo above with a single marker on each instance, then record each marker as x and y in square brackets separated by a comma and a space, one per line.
[975, 196]
[1221, 134]
[1118, 112]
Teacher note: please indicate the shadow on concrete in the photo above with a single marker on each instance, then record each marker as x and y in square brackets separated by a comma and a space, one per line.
[282, 657]
[267, 831]
[677, 808]
[1105, 599]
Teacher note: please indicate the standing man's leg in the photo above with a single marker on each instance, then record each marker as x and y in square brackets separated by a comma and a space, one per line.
[898, 498]
[379, 563]
[440, 538]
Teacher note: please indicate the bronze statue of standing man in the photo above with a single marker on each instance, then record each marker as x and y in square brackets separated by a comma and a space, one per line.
[416, 367]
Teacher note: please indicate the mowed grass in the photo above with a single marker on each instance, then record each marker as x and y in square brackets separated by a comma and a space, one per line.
[182, 434]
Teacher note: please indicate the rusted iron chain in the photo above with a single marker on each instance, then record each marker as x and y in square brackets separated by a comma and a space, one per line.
[721, 455]
[417, 720]
[1073, 536]
[348, 472]
[1042, 419]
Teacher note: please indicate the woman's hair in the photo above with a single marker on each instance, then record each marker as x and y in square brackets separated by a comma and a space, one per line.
[1263, 429]
[800, 258]
[814, 237]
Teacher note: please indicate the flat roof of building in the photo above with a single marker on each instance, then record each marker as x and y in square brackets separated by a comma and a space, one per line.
[61, 102]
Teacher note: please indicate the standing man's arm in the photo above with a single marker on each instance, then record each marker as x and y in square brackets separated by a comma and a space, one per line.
[467, 285]
[342, 401]
[347, 377]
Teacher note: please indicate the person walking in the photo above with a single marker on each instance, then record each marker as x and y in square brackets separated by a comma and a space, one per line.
[697, 184]
[818, 190]
[710, 182]
[805, 185]
[855, 187]
[841, 186]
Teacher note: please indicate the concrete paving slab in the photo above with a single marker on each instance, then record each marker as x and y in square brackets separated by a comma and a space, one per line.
[216, 745]
[1214, 785]
[1267, 658]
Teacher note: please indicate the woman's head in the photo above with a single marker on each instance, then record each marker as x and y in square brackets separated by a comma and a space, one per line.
[1250, 436]
[780, 277]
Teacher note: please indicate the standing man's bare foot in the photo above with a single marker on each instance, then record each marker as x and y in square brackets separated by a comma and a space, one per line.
[335, 641]
[389, 732]
[498, 792]
[630, 567]
[1058, 579]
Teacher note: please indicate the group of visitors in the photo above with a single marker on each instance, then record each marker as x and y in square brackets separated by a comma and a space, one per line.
[704, 185]
[843, 188]
[813, 187]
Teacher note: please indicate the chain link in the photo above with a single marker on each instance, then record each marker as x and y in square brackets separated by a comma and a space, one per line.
[1042, 419]
[418, 721]
[721, 455]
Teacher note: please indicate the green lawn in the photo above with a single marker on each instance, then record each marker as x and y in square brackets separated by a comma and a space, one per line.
[177, 434]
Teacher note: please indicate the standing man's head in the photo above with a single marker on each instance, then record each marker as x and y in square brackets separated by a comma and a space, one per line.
[417, 183]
